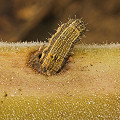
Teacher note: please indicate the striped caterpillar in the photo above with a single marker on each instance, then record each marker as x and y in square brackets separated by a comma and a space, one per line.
[49, 60]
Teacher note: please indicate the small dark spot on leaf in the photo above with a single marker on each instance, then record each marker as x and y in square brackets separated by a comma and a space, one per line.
[40, 55]
[91, 64]
[51, 56]
[20, 89]
[5, 95]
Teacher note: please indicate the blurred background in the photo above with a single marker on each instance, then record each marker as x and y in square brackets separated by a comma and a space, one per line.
[33, 20]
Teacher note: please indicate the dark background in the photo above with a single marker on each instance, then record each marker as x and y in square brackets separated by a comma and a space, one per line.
[31, 20]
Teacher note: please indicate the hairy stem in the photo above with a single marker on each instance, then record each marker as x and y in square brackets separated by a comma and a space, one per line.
[87, 87]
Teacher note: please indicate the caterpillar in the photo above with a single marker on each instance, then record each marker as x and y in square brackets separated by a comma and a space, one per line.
[50, 60]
